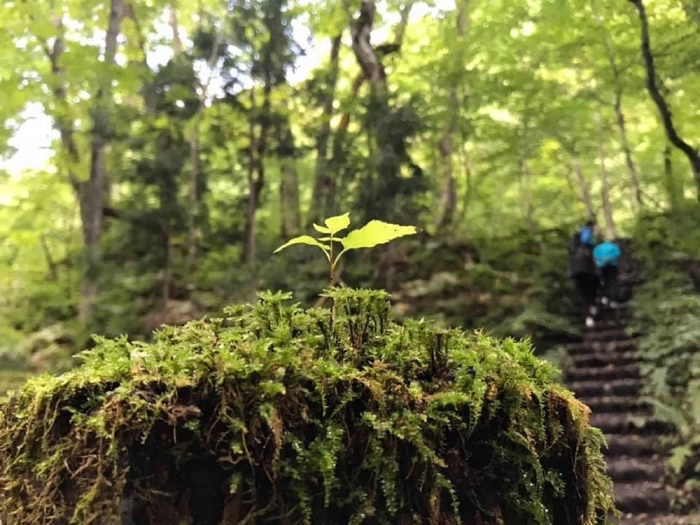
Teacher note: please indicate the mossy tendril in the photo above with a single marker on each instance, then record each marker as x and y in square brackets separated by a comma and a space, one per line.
[281, 415]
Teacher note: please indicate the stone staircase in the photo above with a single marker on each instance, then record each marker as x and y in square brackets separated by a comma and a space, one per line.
[604, 374]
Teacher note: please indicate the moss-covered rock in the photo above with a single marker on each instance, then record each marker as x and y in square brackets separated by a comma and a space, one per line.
[279, 415]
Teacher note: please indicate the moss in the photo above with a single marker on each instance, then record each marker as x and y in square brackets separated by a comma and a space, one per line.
[275, 414]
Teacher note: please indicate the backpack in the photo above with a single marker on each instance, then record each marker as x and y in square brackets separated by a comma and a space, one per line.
[580, 259]
[575, 243]
[586, 235]
[606, 253]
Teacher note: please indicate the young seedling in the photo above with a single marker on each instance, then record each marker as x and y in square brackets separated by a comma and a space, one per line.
[370, 235]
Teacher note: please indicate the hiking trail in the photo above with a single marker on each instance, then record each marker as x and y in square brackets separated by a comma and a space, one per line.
[604, 374]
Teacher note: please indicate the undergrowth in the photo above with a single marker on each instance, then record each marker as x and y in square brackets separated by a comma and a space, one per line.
[517, 287]
[276, 414]
[666, 317]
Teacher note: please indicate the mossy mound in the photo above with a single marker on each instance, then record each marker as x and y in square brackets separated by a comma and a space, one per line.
[280, 415]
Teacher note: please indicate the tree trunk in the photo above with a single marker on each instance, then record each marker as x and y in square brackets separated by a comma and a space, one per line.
[258, 149]
[664, 109]
[50, 263]
[390, 151]
[91, 192]
[610, 229]
[338, 151]
[339, 146]
[526, 201]
[675, 194]
[250, 245]
[624, 142]
[468, 187]
[583, 187]
[194, 213]
[322, 178]
[448, 202]
[619, 114]
[366, 55]
[174, 27]
[289, 184]
[167, 267]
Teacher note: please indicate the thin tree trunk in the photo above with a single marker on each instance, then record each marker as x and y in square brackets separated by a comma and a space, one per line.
[583, 187]
[619, 114]
[167, 268]
[193, 218]
[338, 150]
[322, 177]
[91, 192]
[175, 28]
[53, 268]
[250, 244]
[528, 208]
[624, 142]
[289, 185]
[670, 181]
[469, 186]
[448, 201]
[664, 109]
[610, 229]
[192, 226]
[256, 171]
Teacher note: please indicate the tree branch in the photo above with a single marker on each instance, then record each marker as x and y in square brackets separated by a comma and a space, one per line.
[656, 95]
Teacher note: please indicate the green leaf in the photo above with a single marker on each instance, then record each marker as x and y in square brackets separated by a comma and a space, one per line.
[321, 229]
[375, 233]
[337, 224]
[304, 239]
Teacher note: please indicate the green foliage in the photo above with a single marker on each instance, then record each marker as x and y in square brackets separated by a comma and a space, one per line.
[257, 123]
[372, 234]
[666, 318]
[304, 416]
[519, 287]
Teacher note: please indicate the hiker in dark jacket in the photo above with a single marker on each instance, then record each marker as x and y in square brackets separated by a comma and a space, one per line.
[583, 271]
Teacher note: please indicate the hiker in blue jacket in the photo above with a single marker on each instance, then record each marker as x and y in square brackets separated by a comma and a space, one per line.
[606, 256]
[583, 271]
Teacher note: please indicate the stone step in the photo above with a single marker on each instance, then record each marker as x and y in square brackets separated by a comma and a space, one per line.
[608, 372]
[616, 387]
[615, 334]
[631, 445]
[627, 470]
[589, 347]
[614, 404]
[603, 359]
[617, 315]
[629, 279]
[630, 424]
[644, 497]
[661, 519]
[604, 324]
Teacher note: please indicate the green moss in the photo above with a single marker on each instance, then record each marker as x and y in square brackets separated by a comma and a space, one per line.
[275, 414]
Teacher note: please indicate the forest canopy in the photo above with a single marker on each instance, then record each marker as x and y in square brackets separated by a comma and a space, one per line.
[156, 153]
